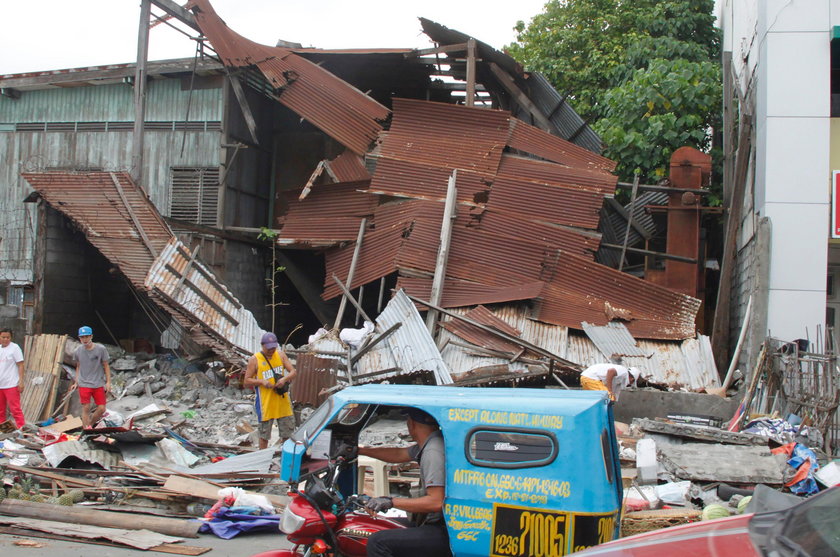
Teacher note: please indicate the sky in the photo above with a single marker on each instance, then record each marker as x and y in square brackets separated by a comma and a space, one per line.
[40, 35]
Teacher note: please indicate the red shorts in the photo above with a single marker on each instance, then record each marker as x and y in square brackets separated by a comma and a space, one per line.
[97, 393]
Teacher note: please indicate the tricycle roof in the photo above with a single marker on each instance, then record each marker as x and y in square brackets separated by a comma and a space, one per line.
[431, 397]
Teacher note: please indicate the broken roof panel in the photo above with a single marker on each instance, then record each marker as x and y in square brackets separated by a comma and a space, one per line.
[481, 337]
[120, 221]
[348, 167]
[339, 109]
[546, 172]
[551, 203]
[190, 286]
[565, 120]
[411, 344]
[331, 213]
[113, 213]
[447, 135]
[523, 228]
[458, 293]
[424, 181]
[685, 364]
[613, 340]
[529, 139]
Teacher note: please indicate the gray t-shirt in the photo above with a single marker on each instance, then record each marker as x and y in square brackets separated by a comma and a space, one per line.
[432, 460]
[91, 370]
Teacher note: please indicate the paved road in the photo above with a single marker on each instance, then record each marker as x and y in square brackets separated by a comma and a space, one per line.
[243, 545]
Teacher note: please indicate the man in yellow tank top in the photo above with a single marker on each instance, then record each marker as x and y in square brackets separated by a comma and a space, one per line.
[270, 372]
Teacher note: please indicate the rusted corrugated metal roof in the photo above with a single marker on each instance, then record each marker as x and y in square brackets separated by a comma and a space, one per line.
[613, 340]
[550, 203]
[401, 178]
[121, 222]
[458, 293]
[331, 213]
[521, 227]
[447, 135]
[314, 375]
[546, 172]
[481, 337]
[340, 110]
[529, 139]
[348, 167]
[115, 218]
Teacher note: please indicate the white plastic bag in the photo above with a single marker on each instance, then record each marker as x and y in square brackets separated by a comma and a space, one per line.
[355, 337]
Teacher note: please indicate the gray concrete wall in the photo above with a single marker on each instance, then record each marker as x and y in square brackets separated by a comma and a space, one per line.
[649, 403]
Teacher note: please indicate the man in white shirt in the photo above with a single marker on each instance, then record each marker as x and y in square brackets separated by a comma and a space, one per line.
[612, 378]
[11, 378]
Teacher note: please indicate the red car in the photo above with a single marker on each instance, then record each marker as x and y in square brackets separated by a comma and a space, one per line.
[809, 529]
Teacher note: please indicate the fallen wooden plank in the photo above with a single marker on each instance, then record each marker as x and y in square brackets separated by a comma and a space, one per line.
[69, 424]
[81, 516]
[206, 490]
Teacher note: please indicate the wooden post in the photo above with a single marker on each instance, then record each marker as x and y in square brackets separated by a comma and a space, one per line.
[449, 215]
[470, 101]
[352, 272]
[629, 221]
[140, 92]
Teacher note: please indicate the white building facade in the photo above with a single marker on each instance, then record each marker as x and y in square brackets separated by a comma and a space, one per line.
[783, 80]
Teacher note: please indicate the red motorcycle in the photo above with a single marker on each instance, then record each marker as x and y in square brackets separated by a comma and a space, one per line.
[320, 521]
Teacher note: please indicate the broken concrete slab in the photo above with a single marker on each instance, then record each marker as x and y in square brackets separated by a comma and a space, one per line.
[701, 433]
[740, 464]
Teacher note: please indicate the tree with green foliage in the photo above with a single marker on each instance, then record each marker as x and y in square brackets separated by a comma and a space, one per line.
[644, 73]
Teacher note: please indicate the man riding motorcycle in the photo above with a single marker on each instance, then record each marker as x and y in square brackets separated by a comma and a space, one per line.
[428, 536]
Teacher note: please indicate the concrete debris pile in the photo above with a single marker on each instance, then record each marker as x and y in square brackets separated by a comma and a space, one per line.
[178, 437]
[694, 467]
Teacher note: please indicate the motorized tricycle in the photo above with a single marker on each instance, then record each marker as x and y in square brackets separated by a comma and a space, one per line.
[528, 471]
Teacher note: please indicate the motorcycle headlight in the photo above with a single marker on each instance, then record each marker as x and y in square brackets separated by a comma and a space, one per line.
[290, 522]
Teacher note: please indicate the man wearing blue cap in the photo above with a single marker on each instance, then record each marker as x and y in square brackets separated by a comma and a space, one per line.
[270, 372]
[93, 376]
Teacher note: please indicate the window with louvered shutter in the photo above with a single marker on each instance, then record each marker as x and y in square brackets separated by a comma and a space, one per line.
[195, 195]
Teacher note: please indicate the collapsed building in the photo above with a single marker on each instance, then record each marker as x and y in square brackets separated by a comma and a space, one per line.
[345, 159]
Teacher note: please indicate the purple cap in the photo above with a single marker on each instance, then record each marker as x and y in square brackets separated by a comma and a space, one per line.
[269, 340]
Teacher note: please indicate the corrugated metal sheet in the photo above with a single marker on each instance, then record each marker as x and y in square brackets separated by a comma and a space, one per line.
[129, 232]
[193, 288]
[412, 346]
[532, 140]
[686, 364]
[93, 202]
[613, 340]
[348, 167]
[546, 172]
[315, 374]
[447, 136]
[521, 227]
[423, 181]
[551, 203]
[331, 213]
[458, 293]
[481, 337]
[166, 101]
[536, 87]
[341, 111]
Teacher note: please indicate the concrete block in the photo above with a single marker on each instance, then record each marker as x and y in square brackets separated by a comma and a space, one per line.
[646, 462]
